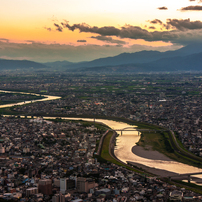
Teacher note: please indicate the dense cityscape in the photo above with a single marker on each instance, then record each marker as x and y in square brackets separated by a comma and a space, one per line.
[54, 160]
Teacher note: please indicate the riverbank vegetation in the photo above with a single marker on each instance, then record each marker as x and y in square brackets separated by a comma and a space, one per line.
[161, 142]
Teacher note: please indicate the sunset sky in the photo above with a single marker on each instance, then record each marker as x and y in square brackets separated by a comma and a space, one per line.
[82, 30]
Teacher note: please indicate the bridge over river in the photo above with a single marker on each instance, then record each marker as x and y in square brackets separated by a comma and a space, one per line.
[139, 130]
[186, 175]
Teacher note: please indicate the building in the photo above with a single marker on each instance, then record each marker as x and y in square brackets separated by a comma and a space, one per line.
[85, 184]
[66, 184]
[63, 185]
[31, 191]
[45, 186]
[58, 198]
[2, 149]
[71, 184]
[105, 192]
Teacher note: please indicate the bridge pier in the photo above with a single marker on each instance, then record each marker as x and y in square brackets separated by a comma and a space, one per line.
[121, 133]
[189, 178]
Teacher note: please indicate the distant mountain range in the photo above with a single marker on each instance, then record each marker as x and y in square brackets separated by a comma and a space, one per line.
[179, 63]
[58, 64]
[137, 57]
[188, 58]
[20, 64]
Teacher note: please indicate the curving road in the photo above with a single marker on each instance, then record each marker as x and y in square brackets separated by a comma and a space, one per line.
[180, 151]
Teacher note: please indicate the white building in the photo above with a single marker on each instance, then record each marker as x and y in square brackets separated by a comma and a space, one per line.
[63, 185]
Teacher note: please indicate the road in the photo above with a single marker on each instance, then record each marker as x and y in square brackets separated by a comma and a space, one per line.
[180, 151]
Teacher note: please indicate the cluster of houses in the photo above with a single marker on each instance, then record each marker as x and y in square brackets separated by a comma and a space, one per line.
[53, 161]
[174, 105]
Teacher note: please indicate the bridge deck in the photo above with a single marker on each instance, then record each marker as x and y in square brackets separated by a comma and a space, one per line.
[143, 130]
[185, 174]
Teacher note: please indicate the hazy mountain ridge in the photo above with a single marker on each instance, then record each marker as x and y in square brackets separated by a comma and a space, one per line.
[20, 64]
[58, 64]
[138, 57]
[188, 58]
[179, 63]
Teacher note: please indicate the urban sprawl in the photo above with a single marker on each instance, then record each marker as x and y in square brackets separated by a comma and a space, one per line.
[54, 160]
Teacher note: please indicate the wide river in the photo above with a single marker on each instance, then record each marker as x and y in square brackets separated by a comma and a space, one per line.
[126, 148]
[46, 98]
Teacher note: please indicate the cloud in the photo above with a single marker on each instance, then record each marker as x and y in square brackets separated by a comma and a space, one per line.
[199, 1]
[81, 41]
[184, 24]
[48, 28]
[110, 31]
[108, 39]
[163, 8]
[127, 31]
[152, 27]
[178, 31]
[135, 32]
[4, 40]
[192, 8]
[156, 21]
[58, 27]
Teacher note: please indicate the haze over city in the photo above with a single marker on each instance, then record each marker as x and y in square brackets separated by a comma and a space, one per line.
[50, 30]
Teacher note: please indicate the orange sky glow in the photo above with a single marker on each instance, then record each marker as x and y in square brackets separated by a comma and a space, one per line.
[29, 22]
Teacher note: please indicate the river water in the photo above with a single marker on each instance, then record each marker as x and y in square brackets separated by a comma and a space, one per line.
[126, 142]
[47, 97]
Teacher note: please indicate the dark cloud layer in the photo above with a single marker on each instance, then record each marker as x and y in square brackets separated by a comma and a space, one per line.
[127, 31]
[191, 8]
[135, 32]
[163, 8]
[184, 24]
[108, 39]
[81, 41]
